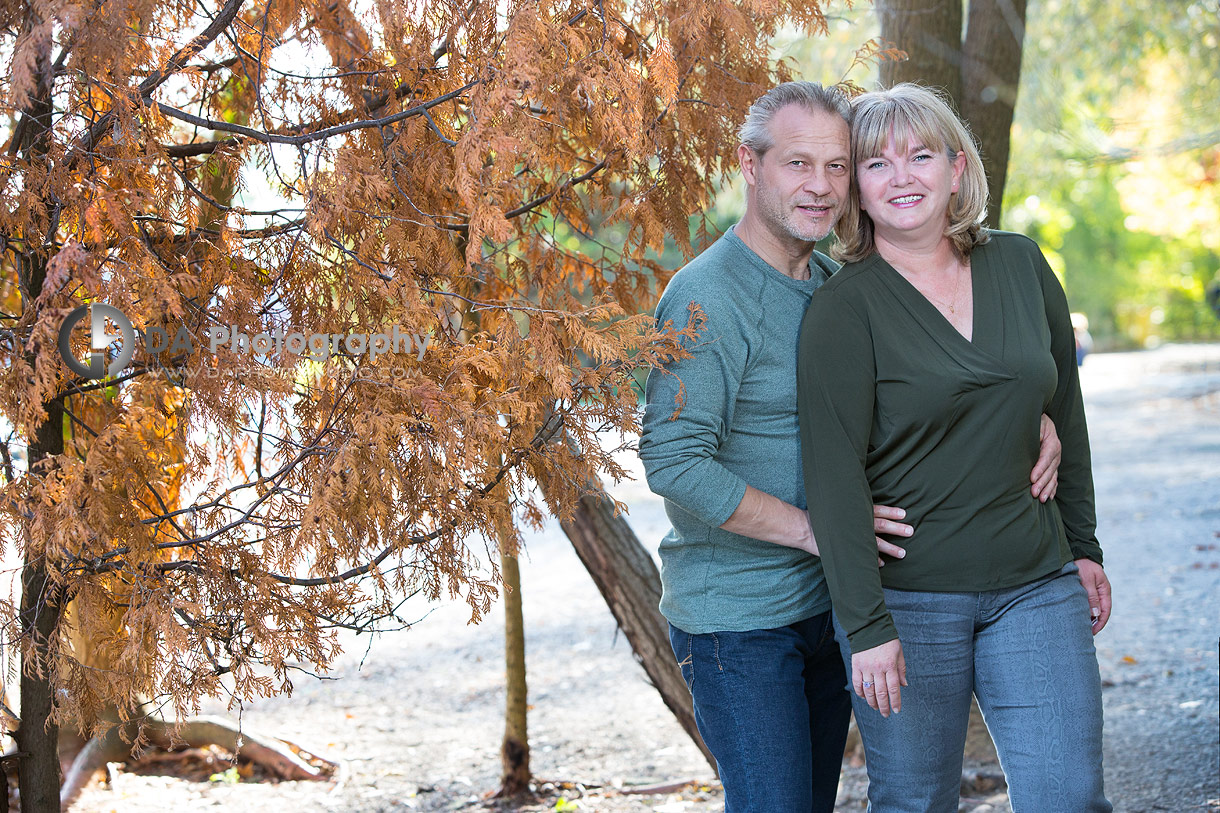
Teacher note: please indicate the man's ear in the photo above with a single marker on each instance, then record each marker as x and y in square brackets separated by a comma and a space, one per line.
[749, 161]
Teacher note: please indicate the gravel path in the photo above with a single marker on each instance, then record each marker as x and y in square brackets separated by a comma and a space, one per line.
[1154, 420]
[416, 721]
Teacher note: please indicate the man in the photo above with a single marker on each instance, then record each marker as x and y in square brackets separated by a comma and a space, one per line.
[742, 585]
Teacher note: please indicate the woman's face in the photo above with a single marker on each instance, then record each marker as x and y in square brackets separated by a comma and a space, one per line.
[906, 189]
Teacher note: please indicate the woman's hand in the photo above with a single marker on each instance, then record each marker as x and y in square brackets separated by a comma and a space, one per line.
[1097, 585]
[878, 675]
[885, 521]
[1045, 476]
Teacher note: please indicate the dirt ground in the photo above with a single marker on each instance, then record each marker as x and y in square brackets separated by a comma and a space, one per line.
[414, 718]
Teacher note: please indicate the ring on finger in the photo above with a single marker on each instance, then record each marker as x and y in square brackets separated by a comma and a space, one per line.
[868, 684]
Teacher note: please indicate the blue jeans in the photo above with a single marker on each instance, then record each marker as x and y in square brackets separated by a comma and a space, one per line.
[771, 706]
[1027, 654]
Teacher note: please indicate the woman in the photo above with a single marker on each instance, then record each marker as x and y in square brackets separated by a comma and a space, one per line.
[925, 363]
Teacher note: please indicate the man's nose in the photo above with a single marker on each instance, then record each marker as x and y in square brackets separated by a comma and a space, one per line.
[818, 183]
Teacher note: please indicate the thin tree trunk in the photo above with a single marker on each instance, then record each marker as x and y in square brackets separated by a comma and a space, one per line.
[515, 746]
[991, 75]
[515, 750]
[982, 75]
[628, 579]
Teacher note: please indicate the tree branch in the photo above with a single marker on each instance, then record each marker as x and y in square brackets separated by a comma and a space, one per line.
[90, 138]
[109, 562]
[538, 201]
[198, 147]
[201, 41]
[317, 135]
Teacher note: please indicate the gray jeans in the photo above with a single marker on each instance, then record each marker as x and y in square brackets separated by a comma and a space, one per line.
[1027, 654]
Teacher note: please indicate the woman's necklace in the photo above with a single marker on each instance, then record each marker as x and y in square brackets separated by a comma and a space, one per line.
[957, 286]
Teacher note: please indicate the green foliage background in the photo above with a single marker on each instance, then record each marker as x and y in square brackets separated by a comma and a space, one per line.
[1115, 165]
[1116, 161]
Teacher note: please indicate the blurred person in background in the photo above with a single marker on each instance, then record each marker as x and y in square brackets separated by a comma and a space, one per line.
[1084, 341]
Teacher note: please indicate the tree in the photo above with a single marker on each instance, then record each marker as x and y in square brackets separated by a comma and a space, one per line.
[1116, 162]
[981, 71]
[323, 434]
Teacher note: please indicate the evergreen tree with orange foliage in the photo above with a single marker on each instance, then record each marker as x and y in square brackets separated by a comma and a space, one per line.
[213, 513]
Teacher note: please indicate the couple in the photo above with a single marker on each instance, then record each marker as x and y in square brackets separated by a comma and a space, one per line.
[915, 402]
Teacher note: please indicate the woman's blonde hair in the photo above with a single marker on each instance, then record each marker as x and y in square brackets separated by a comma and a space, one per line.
[909, 112]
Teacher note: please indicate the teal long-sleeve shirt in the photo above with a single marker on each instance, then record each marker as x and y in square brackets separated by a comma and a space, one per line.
[898, 408]
[737, 426]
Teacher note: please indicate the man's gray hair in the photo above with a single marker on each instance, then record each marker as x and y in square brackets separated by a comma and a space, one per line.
[754, 131]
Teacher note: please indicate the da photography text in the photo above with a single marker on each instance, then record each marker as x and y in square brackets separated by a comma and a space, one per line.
[310, 347]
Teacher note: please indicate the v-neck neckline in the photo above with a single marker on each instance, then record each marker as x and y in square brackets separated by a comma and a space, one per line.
[932, 314]
[983, 351]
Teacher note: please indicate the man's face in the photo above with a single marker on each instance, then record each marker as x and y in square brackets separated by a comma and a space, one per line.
[801, 183]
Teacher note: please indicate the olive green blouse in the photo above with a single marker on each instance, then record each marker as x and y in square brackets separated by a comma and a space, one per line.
[898, 408]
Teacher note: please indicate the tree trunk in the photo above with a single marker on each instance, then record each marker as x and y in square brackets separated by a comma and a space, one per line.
[279, 758]
[930, 31]
[515, 750]
[991, 75]
[515, 746]
[37, 735]
[981, 74]
[628, 579]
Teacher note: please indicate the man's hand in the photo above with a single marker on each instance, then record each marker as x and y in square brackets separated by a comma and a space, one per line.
[1045, 476]
[1097, 585]
[885, 521]
[878, 674]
